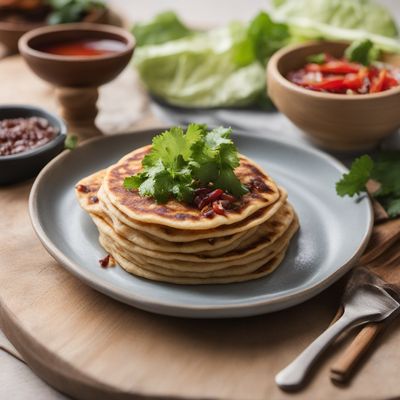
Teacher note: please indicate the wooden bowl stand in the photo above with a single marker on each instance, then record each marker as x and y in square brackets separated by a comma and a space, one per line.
[78, 107]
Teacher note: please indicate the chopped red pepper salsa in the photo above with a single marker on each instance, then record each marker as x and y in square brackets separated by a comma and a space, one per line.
[345, 77]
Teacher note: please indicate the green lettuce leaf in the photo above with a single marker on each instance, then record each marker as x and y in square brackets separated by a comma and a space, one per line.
[162, 28]
[339, 19]
[209, 69]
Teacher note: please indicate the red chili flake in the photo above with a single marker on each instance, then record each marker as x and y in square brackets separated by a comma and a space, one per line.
[107, 261]
[83, 188]
[93, 199]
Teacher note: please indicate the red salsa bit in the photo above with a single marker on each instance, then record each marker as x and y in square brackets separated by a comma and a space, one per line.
[208, 213]
[93, 199]
[212, 202]
[107, 261]
[259, 185]
[83, 188]
[22, 134]
[344, 77]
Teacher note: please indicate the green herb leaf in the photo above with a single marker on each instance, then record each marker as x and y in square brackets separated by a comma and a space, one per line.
[393, 208]
[362, 51]
[354, 182]
[267, 36]
[385, 170]
[71, 141]
[64, 11]
[319, 58]
[180, 161]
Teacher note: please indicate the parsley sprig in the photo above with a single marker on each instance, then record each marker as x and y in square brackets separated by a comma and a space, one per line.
[385, 170]
[179, 162]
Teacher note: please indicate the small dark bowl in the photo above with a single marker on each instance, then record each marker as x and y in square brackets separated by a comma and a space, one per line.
[18, 167]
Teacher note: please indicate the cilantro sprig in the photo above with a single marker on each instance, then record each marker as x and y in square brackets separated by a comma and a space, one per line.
[362, 51]
[179, 162]
[385, 170]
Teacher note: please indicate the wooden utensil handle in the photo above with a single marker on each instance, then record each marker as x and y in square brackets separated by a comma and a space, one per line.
[344, 365]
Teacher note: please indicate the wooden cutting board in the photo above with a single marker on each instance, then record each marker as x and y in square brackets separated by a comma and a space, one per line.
[92, 347]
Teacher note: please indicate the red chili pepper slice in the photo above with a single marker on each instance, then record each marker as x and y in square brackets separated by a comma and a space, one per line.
[377, 83]
[326, 84]
[333, 67]
[228, 197]
[217, 208]
[353, 83]
[209, 198]
[389, 82]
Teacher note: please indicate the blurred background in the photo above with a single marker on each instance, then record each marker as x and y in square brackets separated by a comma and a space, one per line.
[208, 12]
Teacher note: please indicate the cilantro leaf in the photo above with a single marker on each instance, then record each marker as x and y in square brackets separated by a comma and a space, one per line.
[354, 182]
[362, 51]
[214, 158]
[319, 58]
[62, 11]
[385, 170]
[393, 208]
[228, 181]
[180, 161]
[134, 181]
[70, 142]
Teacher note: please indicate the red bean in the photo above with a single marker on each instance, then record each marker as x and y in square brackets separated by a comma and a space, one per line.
[21, 134]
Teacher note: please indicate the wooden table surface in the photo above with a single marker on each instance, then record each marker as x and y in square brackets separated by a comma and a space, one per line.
[249, 351]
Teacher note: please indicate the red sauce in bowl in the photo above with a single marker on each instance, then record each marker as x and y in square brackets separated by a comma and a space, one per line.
[85, 47]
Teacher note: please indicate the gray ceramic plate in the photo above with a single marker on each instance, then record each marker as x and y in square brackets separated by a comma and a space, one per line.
[334, 231]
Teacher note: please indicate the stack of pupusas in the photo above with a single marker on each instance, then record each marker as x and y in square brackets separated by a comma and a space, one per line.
[214, 238]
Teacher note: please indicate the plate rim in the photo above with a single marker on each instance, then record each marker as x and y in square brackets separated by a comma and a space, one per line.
[253, 307]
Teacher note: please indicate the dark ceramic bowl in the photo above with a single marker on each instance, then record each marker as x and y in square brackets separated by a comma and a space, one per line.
[18, 167]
